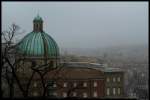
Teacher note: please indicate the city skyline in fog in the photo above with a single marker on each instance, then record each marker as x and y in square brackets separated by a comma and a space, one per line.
[83, 24]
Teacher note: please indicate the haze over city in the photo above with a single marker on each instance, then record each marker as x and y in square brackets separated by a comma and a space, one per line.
[82, 50]
[83, 24]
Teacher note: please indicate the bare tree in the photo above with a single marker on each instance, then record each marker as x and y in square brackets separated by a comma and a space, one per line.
[11, 65]
[9, 62]
[7, 38]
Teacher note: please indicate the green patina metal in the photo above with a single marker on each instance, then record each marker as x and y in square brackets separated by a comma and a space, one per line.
[34, 44]
[38, 43]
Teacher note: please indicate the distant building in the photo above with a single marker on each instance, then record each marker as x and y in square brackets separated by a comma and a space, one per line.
[87, 80]
[114, 82]
[80, 82]
[75, 79]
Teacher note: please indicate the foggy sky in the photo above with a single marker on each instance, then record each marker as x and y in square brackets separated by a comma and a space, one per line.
[83, 24]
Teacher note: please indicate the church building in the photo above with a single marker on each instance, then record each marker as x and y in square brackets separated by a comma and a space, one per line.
[72, 79]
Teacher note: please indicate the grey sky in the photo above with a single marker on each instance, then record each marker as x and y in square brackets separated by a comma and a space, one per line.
[83, 24]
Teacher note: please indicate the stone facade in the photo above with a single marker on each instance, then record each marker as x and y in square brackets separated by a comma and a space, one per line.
[114, 84]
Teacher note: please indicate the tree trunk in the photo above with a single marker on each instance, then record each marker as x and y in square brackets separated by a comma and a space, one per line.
[11, 92]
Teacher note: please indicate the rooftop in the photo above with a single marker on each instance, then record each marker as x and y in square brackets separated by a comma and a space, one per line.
[97, 66]
[76, 73]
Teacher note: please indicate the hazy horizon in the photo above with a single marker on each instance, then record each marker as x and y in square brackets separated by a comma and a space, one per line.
[83, 24]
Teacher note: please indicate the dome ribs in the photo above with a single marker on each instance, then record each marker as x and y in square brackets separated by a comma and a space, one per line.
[38, 44]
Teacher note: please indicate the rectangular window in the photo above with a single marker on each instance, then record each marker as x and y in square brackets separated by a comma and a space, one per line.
[35, 94]
[84, 84]
[35, 84]
[118, 79]
[114, 91]
[95, 84]
[114, 79]
[54, 85]
[108, 91]
[74, 94]
[95, 94]
[85, 95]
[55, 94]
[65, 84]
[108, 79]
[64, 94]
[75, 84]
[119, 91]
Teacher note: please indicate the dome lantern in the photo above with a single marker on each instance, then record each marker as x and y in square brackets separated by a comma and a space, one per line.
[38, 24]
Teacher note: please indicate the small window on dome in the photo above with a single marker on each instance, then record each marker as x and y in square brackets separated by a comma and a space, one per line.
[36, 26]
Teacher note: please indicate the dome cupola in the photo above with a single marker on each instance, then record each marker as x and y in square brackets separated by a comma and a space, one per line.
[38, 43]
[37, 24]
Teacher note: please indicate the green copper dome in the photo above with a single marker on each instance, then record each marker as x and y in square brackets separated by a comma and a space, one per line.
[38, 44]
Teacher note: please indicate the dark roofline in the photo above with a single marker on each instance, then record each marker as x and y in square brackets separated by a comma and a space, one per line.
[95, 67]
